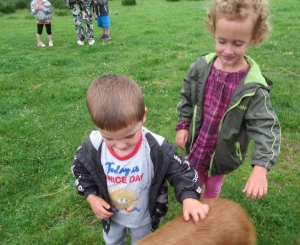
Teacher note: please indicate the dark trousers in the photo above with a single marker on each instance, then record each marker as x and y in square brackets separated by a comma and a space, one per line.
[40, 28]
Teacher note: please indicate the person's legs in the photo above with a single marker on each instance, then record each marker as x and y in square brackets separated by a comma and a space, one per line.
[106, 31]
[99, 24]
[116, 235]
[49, 32]
[88, 22]
[202, 177]
[39, 35]
[79, 27]
[77, 18]
[104, 22]
[106, 26]
[213, 185]
[139, 233]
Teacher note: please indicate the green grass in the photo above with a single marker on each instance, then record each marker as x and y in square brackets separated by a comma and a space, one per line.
[43, 116]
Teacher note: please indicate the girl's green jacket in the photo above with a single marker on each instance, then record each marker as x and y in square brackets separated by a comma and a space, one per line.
[249, 115]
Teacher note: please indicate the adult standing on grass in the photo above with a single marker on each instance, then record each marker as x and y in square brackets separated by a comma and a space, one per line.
[102, 17]
[42, 10]
[83, 19]
[122, 167]
[225, 101]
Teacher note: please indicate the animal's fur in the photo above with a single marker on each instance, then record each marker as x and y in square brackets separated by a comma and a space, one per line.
[227, 223]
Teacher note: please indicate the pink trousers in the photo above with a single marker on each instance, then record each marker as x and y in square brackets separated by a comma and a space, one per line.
[213, 184]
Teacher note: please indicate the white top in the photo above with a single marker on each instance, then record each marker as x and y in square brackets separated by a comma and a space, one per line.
[128, 182]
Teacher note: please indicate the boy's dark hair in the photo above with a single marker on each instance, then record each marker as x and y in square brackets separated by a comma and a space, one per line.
[115, 102]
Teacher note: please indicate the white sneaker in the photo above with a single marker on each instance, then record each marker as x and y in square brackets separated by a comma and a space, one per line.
[91, 41]
[40, 44]
[50, 43]
[80, 42]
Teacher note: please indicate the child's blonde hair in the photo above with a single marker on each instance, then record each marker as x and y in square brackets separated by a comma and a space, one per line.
[240, 10]
[115, 102]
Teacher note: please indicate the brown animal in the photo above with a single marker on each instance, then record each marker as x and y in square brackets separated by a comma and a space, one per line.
[227, 223]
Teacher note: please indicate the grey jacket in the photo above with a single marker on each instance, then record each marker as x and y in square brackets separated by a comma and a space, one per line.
[42, 15]
[167, 165]
[101, 8]
[249, 116]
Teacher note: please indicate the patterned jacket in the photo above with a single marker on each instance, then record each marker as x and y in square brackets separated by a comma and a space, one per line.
[44, 14]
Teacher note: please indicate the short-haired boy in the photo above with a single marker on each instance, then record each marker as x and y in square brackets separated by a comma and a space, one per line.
[122, 167]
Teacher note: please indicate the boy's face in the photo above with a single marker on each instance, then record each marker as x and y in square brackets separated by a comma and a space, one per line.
[124, 140]
[232, 41]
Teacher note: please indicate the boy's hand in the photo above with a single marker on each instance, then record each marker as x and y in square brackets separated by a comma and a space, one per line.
[194, 208]
[181, 138]
[99, 207]
[257, 184]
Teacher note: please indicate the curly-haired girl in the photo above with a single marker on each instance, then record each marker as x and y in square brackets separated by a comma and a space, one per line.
[225, 101]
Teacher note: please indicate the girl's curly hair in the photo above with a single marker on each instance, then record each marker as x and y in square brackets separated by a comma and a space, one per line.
[240, 10]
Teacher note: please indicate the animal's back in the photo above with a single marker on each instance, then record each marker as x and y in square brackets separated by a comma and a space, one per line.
[227, 223]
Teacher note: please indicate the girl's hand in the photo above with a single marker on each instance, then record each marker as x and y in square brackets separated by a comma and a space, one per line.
[181, 138]
[99, 207]
[257, 184]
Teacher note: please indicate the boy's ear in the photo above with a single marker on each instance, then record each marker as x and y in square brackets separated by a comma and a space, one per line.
[145, 114]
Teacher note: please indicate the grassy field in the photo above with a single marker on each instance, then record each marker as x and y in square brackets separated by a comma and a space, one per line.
[43, 116]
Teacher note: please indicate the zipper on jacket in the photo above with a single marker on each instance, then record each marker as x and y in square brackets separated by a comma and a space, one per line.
[220, 126]
[193, 127]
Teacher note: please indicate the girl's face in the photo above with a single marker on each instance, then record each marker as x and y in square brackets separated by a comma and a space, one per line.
[233, 37]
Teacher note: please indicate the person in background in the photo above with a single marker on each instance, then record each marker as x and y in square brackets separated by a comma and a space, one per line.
[42, 11]
[225, 101]
[82, 14]
[122, 167]
[101, 12]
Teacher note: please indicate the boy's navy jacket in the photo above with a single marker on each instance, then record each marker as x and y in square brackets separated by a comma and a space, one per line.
[167, 165]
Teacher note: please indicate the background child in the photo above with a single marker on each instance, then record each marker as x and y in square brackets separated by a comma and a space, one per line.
[225, 101]
[102, 17]
[122, 167]
[82, 14]
[42, 10]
